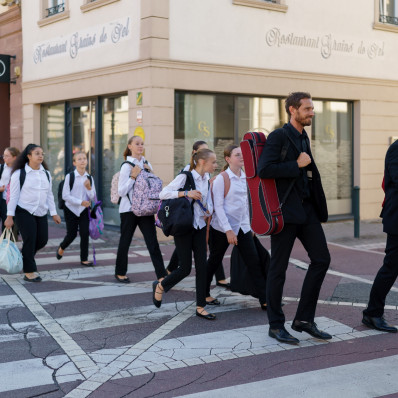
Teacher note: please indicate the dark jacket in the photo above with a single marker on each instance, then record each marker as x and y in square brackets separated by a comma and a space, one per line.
[389, 212]
[283, 171]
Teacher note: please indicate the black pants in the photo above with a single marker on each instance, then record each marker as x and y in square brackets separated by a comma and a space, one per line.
[74, 224]
[185, 245]
[313, 239]
[34, 232]
[129, 222]
[218, 244]
[173, 264]
[385, 279]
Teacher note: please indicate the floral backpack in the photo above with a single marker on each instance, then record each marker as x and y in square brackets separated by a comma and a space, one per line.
[145, 198]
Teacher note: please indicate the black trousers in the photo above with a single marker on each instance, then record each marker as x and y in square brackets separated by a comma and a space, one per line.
[385, 279]
[313, 239]
[218, 244]
[74, 224]
[129, 222]
[185, 245]
[34, 232]
[173, 264]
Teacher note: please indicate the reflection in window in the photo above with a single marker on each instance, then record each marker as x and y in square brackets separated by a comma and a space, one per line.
[55, 7]
[115, 137]
[331, 145]
[52, 141]
[388, 10]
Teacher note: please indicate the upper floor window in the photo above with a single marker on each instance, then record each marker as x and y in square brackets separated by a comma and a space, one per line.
[388, 11]
[53, 11]
[55, 7]
[272, 5]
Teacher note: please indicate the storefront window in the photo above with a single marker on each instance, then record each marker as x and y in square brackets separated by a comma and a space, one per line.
[53, 141]
[114, 141]
[223, 119]
[331, 143]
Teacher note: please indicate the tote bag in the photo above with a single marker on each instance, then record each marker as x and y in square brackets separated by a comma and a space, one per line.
[10, 256]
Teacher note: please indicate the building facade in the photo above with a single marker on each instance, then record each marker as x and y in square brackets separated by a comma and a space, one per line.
[11, 93]
[175, 71]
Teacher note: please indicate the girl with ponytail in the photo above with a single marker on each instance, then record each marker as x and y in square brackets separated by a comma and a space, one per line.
[31, 198]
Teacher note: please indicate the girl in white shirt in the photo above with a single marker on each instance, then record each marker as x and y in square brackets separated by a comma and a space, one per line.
[203, 162]
[31, 198]
[128, 220]
[9, 156]
[230, 224]
[77, 203]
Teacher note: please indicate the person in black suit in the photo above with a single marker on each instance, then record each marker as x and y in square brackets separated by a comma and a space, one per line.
[385, 278]
[287, 158]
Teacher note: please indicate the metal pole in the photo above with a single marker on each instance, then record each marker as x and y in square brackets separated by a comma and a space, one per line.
[355, 208]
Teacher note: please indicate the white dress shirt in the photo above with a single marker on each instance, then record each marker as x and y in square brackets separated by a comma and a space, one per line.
[73, 199]
[36, 195]
[126, 184]
[5, 179]
[202, 185]
[231, 212]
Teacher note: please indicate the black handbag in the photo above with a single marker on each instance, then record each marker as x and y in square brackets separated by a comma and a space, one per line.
[241, 281]
[176, 215]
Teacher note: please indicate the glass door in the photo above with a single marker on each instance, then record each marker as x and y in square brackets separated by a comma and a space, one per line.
[83, 130]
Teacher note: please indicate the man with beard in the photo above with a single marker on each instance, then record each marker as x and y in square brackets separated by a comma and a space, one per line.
[287, 158]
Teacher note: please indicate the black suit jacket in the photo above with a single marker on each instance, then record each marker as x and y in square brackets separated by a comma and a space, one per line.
[283, 171]
[389, 212]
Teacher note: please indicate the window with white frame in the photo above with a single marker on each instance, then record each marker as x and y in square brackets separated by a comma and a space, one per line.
[55, 7]
[388, 11]
[272, 5]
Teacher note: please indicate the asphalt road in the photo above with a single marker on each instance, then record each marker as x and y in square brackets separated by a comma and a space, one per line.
[79, 333]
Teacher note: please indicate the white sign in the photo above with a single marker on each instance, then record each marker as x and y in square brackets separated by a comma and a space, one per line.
[73, 44]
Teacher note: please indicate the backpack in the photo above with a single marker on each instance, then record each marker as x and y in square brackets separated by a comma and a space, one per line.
[96, 220]
[175, 216]
[22, 177]
[2, 166]
[115, 197]
[61, 202]
[145, 197]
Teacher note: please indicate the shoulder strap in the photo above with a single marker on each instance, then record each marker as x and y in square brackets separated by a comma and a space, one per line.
[130, 163]
[71, 180]
[90, 177]
[22, 177]
[291, 140]
[47, 175]
[190, 182]
[227, 182]
[1, 169]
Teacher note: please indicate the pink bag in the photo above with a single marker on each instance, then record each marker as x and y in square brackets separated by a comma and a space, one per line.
[145, 197]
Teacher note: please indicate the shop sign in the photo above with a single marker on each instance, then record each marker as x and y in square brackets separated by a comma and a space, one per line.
[139, 117]
[73, 44]
[5, 68]
[139, 98]
[327, 45]
[140, 132]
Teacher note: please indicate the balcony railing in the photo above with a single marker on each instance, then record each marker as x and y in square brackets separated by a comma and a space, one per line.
[388, 19]
[55, 10]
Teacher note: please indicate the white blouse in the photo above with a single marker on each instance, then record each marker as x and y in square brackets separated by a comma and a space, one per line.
[36, 195]
[231, 212]
[202, 185]
[5, 179]
[126, 184]
[74, 198]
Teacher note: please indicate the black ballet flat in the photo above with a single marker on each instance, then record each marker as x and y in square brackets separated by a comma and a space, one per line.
[157, 303]
[213, 302]
[37, 279]
[57, 254]
[264, 306]
[122, 280]
[89, 264]
[209, 317]
[224, 285]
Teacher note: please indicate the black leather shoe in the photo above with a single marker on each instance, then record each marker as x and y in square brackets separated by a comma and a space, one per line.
[122, 280]
[226, 285]
[264, 306]
[213, 302]
[57, 254]
[37, 279]
[157, 303]
[378, 323]
[310, 328]
[89, 264]
[283, 336]
[209, 317]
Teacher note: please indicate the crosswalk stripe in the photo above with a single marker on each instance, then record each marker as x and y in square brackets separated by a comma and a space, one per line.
[373, 378]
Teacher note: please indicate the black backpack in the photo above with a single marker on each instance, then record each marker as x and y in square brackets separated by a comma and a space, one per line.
[176, 215]
[1, 170]
[61, 202]
[22, 177]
